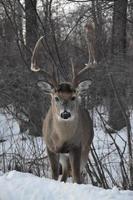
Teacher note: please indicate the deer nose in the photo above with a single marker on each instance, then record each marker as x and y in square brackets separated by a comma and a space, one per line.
[65, 115]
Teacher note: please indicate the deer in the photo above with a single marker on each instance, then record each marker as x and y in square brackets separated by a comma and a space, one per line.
[67, 128]
[90, 37]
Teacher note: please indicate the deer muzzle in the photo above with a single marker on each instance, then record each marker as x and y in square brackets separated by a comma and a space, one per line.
[65, 115]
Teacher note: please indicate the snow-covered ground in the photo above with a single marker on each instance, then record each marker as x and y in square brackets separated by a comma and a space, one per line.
[23, 186]
[29, 154]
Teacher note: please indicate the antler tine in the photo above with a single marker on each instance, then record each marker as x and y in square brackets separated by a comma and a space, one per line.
[34, 64]
[82, 75]
[51, 79]
[73, 70]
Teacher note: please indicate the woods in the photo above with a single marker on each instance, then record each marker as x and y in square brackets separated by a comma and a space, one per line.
[62, 23]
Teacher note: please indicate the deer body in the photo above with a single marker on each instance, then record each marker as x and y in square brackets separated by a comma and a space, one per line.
[59, 134]
[67, 127]
[66, 136]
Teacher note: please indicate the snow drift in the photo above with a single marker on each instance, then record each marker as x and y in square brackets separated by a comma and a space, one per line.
[23, 186]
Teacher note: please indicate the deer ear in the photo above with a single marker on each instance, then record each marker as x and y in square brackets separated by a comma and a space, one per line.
[84, 86]
[46, 87]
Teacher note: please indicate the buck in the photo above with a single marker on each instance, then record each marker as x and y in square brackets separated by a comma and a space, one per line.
[67, 127]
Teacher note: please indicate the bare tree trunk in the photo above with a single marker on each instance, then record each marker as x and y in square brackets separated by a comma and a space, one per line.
[31, 26]
[116, 118]
[119, 27]
[35, 108]
[100, 36]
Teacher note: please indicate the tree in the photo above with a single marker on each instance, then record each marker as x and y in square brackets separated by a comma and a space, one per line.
[116, 118]
[35, 108]
[31, 25]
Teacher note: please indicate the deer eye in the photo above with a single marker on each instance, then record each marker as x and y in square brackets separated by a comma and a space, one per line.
[73, 98]
[56, 99]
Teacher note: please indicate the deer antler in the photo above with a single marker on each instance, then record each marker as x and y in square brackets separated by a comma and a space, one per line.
[51, 79]
[91, 40]
[82, 75]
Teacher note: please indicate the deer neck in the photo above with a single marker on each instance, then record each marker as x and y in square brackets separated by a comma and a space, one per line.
[65, 129]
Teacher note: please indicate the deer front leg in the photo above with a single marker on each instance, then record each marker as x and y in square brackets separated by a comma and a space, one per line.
[75, 157]
[54, 162]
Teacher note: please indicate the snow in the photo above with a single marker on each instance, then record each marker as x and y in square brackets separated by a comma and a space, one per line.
[23, 186]
[21, 151]
[18, 186]
[7, 124]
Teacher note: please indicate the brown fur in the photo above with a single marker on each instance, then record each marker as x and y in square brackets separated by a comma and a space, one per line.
[62, 136]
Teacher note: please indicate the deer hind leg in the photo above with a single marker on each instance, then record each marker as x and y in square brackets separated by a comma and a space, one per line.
[75, 157]
[54, 162]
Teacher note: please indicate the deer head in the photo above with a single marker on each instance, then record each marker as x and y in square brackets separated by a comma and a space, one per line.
[65, 95]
